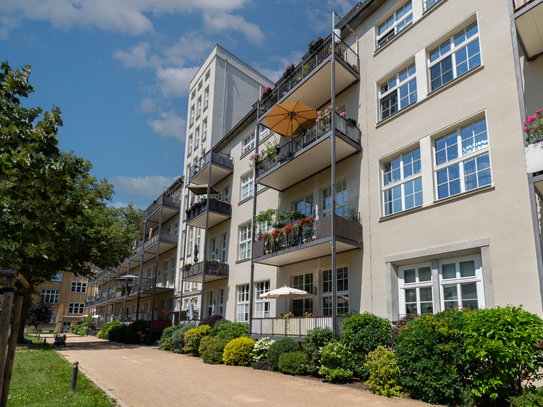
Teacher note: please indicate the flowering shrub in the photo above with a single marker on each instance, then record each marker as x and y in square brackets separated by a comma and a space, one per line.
[309, 315]
[534, 127]
[315, 43]
[293, 363]
[325, 117]
[335, 362]
[287, 314]
[266, 91]
[316, 339]
[289, 68]
[280, 346]
[260, 350]
[193, 338]
[384, 373]
[238, 352]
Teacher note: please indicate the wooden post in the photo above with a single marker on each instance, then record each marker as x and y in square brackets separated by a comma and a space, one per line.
[12, 345]
[4, 324]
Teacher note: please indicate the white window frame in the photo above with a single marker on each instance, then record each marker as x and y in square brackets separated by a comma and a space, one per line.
[460, 281]
[53, 318]
[204, 129]
[462, 157]
[50, 296]
[305, 286]
[224, 248]
[221, 301]
[213, 247]
[394, 86]
[248, 143]
[429, 4]
[191, 115]
[207, 75]
[402, 181]
[264, 133]
[417, 285]
[398, 21]
[245, 234]
[206, 98]
[452, 52]
[210, 301]
[198, 107]
[262, 305]
[305, 202]
[246, 190]
[342, 292]
[189, 150]
[341, 207]
[196, 138]
[76, 308]
[242, 303]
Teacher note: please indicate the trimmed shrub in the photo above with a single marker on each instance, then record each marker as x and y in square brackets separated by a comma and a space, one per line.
[104, 331]
[260, 350]
[211, 320]
[230, 330]
[238, 352]
[311, 345]
[431, 358]
[260, 365]
[336, 362]
[293, 363]
[500, 345]
[193, 338]
[166, 344]
[117, 333]
[132, 335]
[168, 333]
[384, 373]
[79, 329]
[400, 324]
[362, 334]
[178, 337]
[530, 398]
[280, 346]
[212, 349]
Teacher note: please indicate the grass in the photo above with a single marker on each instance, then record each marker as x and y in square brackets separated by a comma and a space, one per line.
[41, 377]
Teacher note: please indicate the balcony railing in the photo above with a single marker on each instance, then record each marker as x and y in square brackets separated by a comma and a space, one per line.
[220, 207]
[211, 156]
[162, 200]
[521, 3]
[312, 135]
[214, 270]
[305, 68]
[293, 326]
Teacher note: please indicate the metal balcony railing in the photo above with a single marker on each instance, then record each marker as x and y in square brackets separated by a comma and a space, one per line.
[224, 208]
[212, 269]
[214, 157]
[521, 3]
[293, 326]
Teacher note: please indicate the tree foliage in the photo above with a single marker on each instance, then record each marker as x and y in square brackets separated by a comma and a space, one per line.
[39, 313]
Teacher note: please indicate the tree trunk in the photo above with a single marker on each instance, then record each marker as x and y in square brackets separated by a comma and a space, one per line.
[27, 302]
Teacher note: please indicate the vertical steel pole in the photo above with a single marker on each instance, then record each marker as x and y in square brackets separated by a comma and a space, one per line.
[333, 177]
[74, 375]
[152, 329]
[253, 225]
[183, 268]
[107, 294]
[204, 254]
[141, 271]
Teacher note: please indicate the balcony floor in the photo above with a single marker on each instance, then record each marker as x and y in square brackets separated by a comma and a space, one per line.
[214, 219]
[530, 28]
[218, 173]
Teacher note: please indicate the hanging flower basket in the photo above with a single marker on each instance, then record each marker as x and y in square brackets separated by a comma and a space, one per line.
[316, 44]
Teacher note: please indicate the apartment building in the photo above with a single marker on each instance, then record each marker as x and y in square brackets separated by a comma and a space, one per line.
[143, 286]
[424, 194]
[66, 294]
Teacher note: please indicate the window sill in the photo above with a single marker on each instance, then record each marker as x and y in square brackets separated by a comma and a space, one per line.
[245, 154]
[398, 113]
[455, 80]
[245, 200]
[243, 261]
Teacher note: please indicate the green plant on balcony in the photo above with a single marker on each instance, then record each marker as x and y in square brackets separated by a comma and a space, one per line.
[266, 92]
[353, 216]
[306, 68]
[288, 70]
[315, 44]
[324, 118]
[534, 127]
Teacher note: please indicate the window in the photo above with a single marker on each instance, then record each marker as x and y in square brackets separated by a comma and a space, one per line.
[402, 182]
[461, 283]
[192, 115]
[262, 305]
[242, 314]
[76, 308]
[53, 316]
[398, 92]
[462, 160]
[226, 194]
[190, 242]
[248, 143]
[78, 287]
[189, 150]
[428, 4]
[342, 279]
[455, 56]
[415, 283]
[206, 98]
[224, 250]
[198, 107]
[303, 305]
[221, 301]
[210, 303]
[193, 95]
[204, 129]
[176, 228]
[50, 296]
[264, 132]
[394, 24]
[245, 242]
[199, 86]
[341, 200]
[196, 138]
[305, 206]
[247, 186]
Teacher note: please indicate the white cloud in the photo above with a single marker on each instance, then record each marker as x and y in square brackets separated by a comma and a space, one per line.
[274, 74]
[151, 186]
[138, 56]
[6, 24]
[120, 204]
[169, 124]
[221, 22]
[192, 46]
[149, 105]
[175, 81]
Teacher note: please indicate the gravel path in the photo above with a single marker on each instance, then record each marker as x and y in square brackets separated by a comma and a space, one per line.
[140, 376]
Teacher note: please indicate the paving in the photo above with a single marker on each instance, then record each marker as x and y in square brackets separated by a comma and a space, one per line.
[141, 376]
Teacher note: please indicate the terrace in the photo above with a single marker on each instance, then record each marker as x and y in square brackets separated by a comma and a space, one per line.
[221, 164]
[292, 326]
[214, 271]
[219, 211]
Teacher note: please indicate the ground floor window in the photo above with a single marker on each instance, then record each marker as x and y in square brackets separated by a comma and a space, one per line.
[415, 284]
[242, 314]
[262, 305]
[342, 281]
[76, 308]
[302, 306]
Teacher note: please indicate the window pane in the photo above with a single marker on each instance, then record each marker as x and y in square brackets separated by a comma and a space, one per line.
[410, 276]
[471, 29]
[467, 268]
[411, 295]
[484, 178]
[448, 271]
[450, 295]
[426, 294]
[425, 274]
[426, 308]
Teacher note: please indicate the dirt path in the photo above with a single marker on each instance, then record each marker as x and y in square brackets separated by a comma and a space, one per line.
[140, 376]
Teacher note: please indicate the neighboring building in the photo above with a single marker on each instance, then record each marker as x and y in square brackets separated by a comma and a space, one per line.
[429, 157]
[144, 284]
[66, 293]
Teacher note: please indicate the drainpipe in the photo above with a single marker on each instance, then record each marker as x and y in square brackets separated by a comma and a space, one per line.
[141, 271]
[151, 330]
[181, 275]
[333, 180]
[204, 268]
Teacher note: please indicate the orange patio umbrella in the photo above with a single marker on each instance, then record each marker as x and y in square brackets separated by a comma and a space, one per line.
[289, 118]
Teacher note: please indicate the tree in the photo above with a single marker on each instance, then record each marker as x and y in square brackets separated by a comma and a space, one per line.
[54, 215]
[39, 313]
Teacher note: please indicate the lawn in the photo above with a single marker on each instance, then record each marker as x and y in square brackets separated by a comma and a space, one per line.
[41, 377]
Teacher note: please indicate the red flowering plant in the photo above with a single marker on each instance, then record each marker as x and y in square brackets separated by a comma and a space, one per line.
[289, 68]
[266, 91]
[287, 314]
[315, 43]
[256, 159]
[534, 127]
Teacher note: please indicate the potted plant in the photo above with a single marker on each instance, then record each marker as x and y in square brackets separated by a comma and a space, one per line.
[534, 127]
[315, 44]
[266, 92]
[288, 70]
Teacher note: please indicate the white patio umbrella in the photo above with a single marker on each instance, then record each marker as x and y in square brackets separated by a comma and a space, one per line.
[213, 309]
[190, 310]
[126, 277]
[285, 292]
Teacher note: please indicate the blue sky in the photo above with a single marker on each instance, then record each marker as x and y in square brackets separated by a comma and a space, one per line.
[120, 69]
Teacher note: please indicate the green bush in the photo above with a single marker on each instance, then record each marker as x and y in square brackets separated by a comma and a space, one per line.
[117, 333]
[502, 356]
[168, 333]
[212, 349]
[238, 352]
[166, 344]
[80, 329]
[384, 373]
[260, 350]
[230, 330]
[336, 362]
[362, 334]
[311, 345]
[530, 398]
[132, 330]
[293, 363]
[178, 337]
[280, 346]
[104, 331]
[193, 338]
[400, 324]
[431, 358]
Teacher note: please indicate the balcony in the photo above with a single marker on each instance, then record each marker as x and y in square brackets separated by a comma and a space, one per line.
[167, 242]
[214, 271]
[529, 22]
[170, 206]
[221, 164]
[293, 326]
[310, 81]
[219, 211]
[293, 249]
[307, 154]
